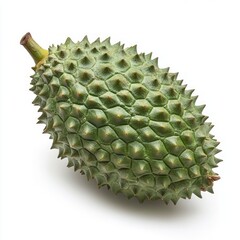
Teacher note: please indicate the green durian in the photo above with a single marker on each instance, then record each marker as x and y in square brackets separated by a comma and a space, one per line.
[120, 119]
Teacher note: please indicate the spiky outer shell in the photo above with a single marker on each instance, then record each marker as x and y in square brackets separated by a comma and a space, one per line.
[125, 122]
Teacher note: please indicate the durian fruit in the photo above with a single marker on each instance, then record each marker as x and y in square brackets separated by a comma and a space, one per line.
[120, 119]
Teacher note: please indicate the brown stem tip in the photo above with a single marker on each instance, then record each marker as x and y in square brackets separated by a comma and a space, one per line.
[25, 38]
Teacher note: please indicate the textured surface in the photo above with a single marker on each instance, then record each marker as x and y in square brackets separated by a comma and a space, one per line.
[122, 120]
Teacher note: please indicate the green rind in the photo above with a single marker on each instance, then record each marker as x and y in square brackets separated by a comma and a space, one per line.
[125, 122]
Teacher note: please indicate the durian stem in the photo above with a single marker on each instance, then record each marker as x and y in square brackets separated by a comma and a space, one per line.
[38, 54]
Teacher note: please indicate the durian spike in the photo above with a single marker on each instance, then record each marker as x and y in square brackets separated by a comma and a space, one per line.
[38, 53]
[214, 177]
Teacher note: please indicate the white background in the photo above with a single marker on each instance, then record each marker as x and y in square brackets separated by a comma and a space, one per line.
[40, 197]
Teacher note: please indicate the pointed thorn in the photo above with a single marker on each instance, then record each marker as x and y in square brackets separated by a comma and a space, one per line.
[149, 56]
[214, 177]
[194, 98]
[217, 160]
[132, 50]
[107, 40]
[180, 82]
[197, 192]
[200, 108]
[155, 62]
[32, 88]
[189, 92]
[210, 189]
[174, 201]
[70, 164]
[118, 44]
[85, 39]
[97, 41]
[217, 151]
[204, 118]
[69, 41]
[40, 122]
